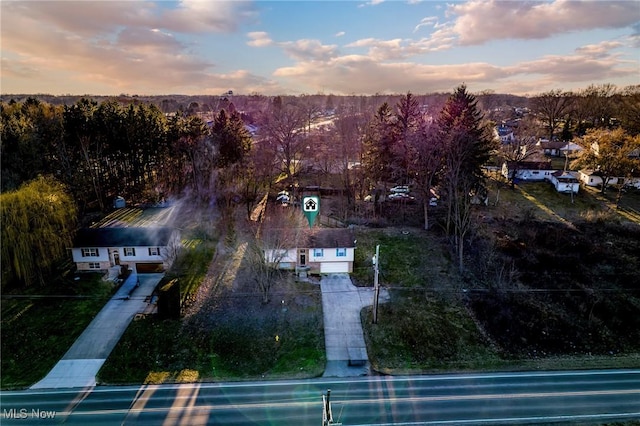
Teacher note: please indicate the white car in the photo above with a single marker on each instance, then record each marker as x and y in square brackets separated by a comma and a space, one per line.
[401, 196]
[400, 189]
[283, 197]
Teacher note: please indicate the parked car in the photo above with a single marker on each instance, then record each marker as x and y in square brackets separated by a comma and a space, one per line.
[400, 189]
[283, 197]
[401, 196]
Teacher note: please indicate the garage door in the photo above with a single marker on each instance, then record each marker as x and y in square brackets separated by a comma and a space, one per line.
[334, 267]
[149, 268]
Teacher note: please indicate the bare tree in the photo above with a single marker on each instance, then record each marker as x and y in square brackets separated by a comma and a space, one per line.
[284, 125]
[426, 164]
[629, 109]
[552, 108]
[276, 237]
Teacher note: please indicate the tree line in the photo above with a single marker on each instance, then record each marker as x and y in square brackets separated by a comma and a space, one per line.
[94, 151]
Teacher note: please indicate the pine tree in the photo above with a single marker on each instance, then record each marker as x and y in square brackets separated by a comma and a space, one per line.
[467, 146]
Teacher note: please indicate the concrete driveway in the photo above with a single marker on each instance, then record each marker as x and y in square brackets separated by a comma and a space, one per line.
[79, 366]
[344, 338]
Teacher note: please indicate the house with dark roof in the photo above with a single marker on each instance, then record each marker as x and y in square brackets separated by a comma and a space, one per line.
[138, 248]
[316, 250]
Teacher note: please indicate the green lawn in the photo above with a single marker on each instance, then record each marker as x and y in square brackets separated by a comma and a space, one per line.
[424, 326]
[36, 332]
[409, 257]
[283, 342]
[227, 334]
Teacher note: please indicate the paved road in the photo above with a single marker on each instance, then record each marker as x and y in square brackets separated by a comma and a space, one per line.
[587, 397]
[79, 366]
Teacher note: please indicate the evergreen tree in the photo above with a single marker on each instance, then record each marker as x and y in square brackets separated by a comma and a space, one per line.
[378, 146]
[467, 146]
[231, 138]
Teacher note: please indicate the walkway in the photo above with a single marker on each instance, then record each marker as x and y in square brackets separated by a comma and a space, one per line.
[79, 366]
[344, 338]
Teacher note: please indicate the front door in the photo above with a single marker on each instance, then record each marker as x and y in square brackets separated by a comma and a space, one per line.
[116, 258]
[302, 257]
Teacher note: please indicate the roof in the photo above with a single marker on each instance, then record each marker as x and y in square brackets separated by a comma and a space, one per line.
[552, 145]
[123, 237]
[529, 165]
[567, 177]
[329, 238]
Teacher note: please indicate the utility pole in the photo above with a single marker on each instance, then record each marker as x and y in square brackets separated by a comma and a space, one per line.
[327, 415]
[376, 284]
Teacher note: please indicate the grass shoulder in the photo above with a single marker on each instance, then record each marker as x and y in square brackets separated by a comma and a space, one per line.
[40, 324]
[550, 295]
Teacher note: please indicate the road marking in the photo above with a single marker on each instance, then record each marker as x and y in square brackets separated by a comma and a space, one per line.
[324, 381]
[510, 420]
[189, 401]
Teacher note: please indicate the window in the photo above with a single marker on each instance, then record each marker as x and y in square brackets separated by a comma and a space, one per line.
[89, 252]
[318, 252]
[129, 251]
[154, 251]
[94, 265]
[341, 252]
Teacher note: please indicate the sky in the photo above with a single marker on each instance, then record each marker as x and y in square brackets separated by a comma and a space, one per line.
[346, 47]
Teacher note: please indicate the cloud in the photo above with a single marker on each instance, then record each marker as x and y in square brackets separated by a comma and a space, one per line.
[384, 50]
[588, 63]
[479, 21]
[340, 34]
[365, 74]
[118, 45]
[93, 18]
[362, 74]
[301, 50]
[429, 21]
[259, 39]
[206, 16]
[371, 3]
[312, 50]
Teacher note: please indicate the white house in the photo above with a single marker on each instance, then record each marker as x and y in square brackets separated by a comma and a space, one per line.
[141, 249]
[318, 250]
[565, 181]
[594, 178]
[570, 149]
[504, 133]
[527, 170]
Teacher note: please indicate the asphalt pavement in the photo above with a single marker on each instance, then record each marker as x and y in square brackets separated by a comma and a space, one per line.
[477, 399]
[343, 334]
[80, 364]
